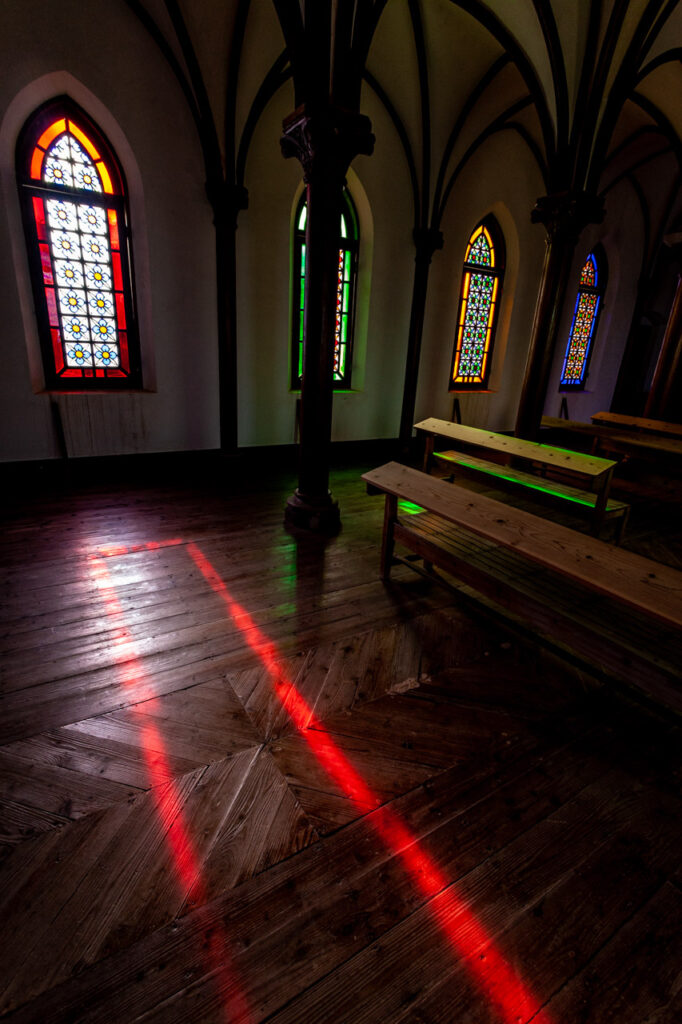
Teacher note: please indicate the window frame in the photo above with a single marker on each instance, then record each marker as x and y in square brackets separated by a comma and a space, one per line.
[490, 225]
[89, 379]
[350, 245]
[598, 257]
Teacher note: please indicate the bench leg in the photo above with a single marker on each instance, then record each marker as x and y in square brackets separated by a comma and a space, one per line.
[600, 503]
[428, 453]
[620, 533]
[387, 541]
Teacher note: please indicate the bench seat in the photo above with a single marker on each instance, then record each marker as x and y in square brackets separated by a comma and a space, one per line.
[615, 611]
[580, 472]
[547, 489]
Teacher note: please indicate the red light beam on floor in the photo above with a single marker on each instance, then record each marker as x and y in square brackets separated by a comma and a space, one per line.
[497, 979]
[186, 864]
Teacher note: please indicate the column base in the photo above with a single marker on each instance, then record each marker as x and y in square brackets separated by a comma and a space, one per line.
[319, 514]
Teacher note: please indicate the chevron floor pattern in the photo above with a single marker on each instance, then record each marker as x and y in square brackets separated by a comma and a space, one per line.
[241, 780]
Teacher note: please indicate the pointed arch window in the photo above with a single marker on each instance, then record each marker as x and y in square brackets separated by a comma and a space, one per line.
[75, 215]
[479, 303]
[345, 293]
[588, 304]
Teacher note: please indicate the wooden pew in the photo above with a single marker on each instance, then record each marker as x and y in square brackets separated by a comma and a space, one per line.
[623, 442]
[616, 610]
[617, 421]
[584, 480]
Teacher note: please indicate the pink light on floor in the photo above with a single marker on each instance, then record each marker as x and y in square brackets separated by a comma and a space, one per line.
[495, 976]
[167, 797]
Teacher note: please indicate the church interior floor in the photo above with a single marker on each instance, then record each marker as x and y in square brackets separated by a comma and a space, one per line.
[242, 780]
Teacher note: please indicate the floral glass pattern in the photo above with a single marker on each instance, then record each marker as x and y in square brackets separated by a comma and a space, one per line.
[478, 305]
[74, 210]
[583, 325]
[345, 294]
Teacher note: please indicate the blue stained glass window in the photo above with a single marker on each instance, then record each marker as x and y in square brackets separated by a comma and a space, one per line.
[584, 323]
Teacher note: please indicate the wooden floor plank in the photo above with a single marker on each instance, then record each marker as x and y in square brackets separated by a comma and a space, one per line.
[171, 848]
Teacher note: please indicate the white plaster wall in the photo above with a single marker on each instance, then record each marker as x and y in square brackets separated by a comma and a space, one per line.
[485, 186]
[100, 54]
[380, 187]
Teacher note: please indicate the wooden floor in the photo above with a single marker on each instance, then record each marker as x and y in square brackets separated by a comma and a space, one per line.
[242, 780]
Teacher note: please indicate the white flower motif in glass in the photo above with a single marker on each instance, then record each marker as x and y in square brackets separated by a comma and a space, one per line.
[71, 301]
[67, 245]
[76, 327]
[69, 275]
[62, 216]
[92, 219]
[106, 355]
[79, 355]
[95, 248]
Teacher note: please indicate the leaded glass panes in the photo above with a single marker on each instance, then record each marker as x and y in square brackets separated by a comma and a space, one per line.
[74, 211]
[345, 294]
[478, 305]
[583, 325]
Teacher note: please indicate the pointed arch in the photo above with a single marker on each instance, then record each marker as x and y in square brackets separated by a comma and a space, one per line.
[588, 303]
[349, 239]
[479, 304]
[74, 207]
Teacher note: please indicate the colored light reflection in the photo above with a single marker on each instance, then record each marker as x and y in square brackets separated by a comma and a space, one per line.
[467, 937]
[166, 794]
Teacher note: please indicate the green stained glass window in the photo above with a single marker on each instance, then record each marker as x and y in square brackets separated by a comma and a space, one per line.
[586, 312]
[75, 217]
[345, 294]
[479, 302]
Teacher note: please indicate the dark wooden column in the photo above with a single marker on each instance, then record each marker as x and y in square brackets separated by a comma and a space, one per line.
[325, 142]
[427, 240]
[564, 215]
[227, 200]
[668, 365]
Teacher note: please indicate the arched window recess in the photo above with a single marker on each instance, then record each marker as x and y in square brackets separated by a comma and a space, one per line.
[345, 293]
[73, 201]
[479, 303]
[588, 303]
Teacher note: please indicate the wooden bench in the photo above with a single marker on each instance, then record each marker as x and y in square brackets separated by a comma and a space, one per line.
[617, 421]
[617, 611]
[623, 442]
[581, 480]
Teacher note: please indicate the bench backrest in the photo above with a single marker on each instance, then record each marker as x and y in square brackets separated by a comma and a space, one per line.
[544, 454]
[629, 578]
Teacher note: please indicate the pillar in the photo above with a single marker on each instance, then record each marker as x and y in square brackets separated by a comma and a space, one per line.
[325, 142]
[427, 240]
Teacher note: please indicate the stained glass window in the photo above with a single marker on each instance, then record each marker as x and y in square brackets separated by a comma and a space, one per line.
[584, 324]
[478, 307]
[345, 293]
[75, 216]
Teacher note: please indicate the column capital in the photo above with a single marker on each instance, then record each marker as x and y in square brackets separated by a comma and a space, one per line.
[326, 141]
[427, 241]
[226, 199]
[565, 214]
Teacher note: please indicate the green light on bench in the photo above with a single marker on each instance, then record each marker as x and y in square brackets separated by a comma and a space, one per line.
[525, 483]
[408, 507]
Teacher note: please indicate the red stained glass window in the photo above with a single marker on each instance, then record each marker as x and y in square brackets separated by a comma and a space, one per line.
[586, 312]
[76, 221]
[345, 294]
[479, 301]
